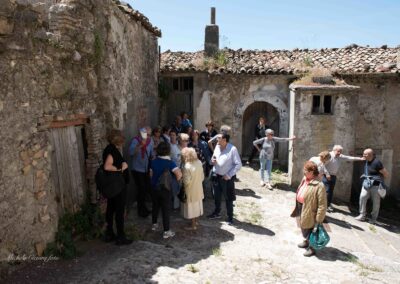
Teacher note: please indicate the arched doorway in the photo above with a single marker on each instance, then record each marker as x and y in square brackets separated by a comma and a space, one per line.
[250, 120]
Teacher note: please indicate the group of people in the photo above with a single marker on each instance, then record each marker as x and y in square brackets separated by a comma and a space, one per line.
[315, 192]
[189, 156]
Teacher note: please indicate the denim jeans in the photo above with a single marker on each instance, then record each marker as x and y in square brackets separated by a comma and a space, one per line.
[224, 187]
[265, 166]
[329, 186]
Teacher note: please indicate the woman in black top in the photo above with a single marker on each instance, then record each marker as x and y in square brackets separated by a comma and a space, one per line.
[114, 162]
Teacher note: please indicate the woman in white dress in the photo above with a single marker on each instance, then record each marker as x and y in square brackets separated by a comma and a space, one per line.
[193, 177]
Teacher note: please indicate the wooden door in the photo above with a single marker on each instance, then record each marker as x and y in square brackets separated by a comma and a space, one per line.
[69, 167]
[180, 98]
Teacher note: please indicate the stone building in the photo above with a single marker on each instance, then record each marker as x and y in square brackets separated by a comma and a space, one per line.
[70, 70]
[235, 87]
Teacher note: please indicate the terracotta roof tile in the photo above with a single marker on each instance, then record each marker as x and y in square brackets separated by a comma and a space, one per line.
[137, 16]
[350, 59]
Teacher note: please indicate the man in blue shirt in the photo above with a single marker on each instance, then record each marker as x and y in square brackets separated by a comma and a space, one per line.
[227, 163]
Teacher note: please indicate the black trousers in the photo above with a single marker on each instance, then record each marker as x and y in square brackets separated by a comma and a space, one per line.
[161, 200]
[116, 206]
[142, 182]
[226, 188]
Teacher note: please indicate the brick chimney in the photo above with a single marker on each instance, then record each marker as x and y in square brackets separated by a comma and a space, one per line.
[211, 42]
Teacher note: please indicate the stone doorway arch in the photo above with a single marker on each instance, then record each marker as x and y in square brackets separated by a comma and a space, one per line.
[272, 102]
[250, 119]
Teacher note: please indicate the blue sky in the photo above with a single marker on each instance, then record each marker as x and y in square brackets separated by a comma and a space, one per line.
[267, 24]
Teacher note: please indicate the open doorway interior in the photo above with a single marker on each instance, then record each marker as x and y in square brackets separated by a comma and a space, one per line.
[250, 120]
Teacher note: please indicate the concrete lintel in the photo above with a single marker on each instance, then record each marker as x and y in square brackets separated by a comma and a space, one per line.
[295, 87]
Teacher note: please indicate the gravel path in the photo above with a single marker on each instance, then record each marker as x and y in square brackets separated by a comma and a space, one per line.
[260, 248]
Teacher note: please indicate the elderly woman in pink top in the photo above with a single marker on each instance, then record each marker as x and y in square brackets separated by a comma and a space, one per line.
[310, 204]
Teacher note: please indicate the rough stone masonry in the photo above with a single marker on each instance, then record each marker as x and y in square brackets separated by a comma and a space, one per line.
[68, 69]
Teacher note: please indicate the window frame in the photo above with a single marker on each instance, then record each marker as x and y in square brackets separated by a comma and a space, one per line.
[321, 108]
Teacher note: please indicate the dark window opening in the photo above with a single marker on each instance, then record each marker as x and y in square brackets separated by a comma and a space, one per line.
[186, 84]
[182, 84]
[322, 105]
[175, 84]
[315, 104]
[327, 104]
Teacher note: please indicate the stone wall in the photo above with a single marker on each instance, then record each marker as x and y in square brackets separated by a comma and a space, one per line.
[377, 120]
[224, 99]
[366, 119]
[319, 132]
[66, 63]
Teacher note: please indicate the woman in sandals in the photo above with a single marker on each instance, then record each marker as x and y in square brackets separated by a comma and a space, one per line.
[193, 177]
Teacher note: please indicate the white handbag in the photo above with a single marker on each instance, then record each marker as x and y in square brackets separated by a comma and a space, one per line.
[381, 191]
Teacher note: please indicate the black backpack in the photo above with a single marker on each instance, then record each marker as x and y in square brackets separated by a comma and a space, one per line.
[165, 180]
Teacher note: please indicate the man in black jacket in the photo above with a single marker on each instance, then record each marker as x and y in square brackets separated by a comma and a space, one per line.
[259, 131]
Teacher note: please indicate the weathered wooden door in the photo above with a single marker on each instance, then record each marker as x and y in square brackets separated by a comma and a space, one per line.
[180, 98]
[250, 120]
[69, 167]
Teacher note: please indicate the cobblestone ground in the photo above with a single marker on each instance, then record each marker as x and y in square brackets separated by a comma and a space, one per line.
[260, 248]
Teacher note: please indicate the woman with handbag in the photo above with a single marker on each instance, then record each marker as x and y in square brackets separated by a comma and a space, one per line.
[161, 192]
[193, 177]
[116, 168]
[311, 204]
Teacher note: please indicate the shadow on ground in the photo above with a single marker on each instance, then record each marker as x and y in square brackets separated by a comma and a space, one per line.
[284, 186]
[247, 192]
[334, 254]
[251, 228]
[140, 261]
[342, 224]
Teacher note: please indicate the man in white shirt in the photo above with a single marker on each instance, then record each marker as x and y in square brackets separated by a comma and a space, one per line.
[333, 167]
[227, 163]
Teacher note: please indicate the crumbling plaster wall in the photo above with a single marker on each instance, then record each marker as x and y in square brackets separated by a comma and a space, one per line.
[316, 133]
[230, 95]
[377, 121]
[60, 62]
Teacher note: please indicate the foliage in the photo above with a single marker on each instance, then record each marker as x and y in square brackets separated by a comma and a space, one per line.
[192, 268]
[277, 171]
[219, 59]
[308, 61]
[363, 268]
[133, 233]
[217, 251]
[309, 76]
[255, 218]
[85, 224]
[98, 44]
[372, 228]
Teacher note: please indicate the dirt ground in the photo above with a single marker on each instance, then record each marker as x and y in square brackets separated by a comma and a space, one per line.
[261, 247]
